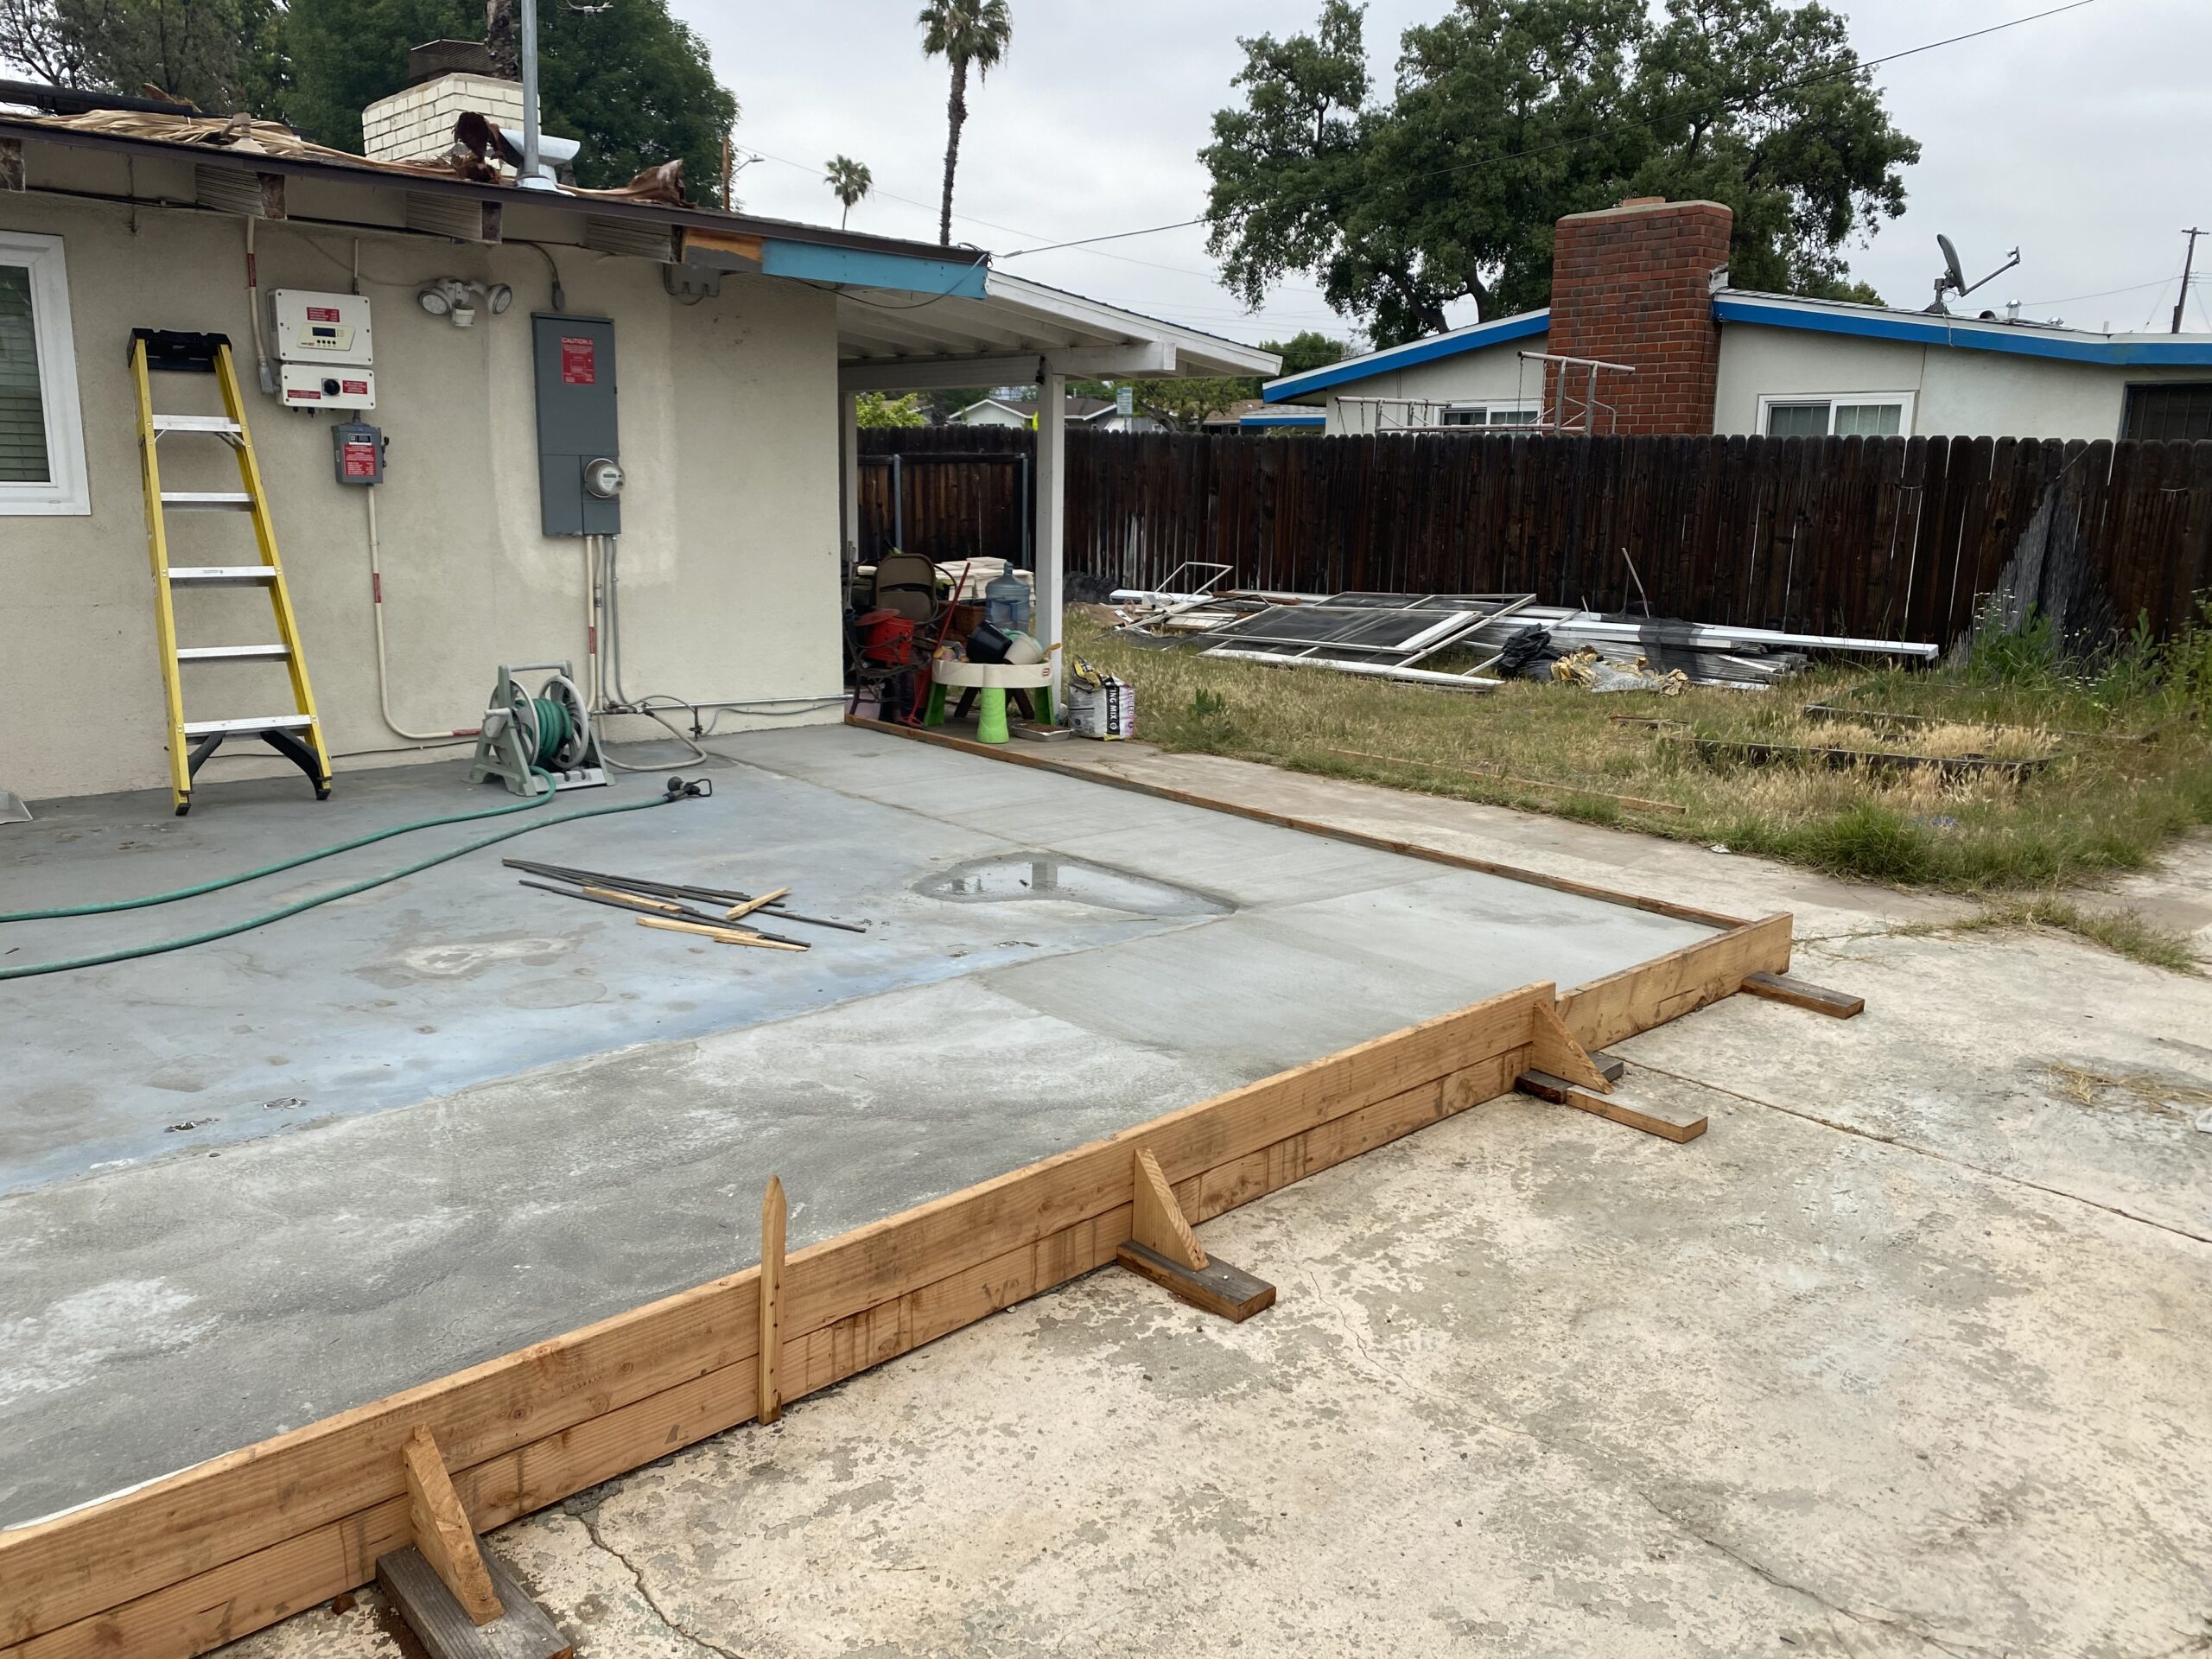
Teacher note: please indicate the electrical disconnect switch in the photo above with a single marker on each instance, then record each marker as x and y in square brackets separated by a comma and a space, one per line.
[357, 451]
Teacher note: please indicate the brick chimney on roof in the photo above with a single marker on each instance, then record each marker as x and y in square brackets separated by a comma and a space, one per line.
[1633, 284]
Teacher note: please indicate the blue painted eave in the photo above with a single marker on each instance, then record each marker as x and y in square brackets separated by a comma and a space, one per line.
[1401, 357]
[817, 261]
[2180, 352]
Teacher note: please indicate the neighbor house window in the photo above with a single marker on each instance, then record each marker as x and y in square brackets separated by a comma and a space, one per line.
[41, 442]
[2181, 411]
[1859, 416]
[1489, 415]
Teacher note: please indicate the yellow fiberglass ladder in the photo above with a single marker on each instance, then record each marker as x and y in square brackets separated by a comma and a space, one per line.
[296, 735]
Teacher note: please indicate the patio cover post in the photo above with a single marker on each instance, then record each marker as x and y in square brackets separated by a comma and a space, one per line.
[1049, 507]
[848, 475]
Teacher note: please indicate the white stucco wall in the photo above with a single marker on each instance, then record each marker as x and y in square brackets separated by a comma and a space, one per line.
[1955, 393]
[729, 436]
[1493, 374]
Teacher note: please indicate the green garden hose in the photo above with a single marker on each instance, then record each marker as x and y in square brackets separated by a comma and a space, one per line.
[677, 790]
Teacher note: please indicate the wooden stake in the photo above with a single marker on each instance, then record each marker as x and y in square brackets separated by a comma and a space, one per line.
[1557, 1052]
[1781, 988]
[1158, 1222]
[720, 935]
[751, 904]
[442, 1528]
[636, 901]
[772, 1299]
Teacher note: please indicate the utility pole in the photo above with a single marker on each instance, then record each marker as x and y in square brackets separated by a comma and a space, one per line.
[2187, 260]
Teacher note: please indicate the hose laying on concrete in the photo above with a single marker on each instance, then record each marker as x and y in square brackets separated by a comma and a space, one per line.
[677, 791]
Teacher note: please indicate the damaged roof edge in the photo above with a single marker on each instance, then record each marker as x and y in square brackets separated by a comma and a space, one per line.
[369, 174]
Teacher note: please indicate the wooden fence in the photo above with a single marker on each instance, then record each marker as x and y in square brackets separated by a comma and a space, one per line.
[1890, 537]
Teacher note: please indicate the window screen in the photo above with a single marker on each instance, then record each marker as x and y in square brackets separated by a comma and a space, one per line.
[22, 413]
[1868, 420]
[1797, 420]
[2182, 411]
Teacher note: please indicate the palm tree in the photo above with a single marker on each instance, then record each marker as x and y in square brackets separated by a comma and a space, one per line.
[849, 183]
[964, 33]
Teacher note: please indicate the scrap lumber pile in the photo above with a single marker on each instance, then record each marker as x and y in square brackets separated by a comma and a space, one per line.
[673, 907]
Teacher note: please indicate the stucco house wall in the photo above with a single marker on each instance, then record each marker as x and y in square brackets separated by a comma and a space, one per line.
[1955, 392]
[729, 557]
[1488, 374]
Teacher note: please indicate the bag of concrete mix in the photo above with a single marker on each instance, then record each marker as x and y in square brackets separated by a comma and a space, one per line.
[1098, 705]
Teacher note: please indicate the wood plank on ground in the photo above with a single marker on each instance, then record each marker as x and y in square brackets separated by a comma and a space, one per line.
[1801, 993]
[443, 1625]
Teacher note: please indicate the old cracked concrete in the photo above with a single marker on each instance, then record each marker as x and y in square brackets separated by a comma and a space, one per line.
[1911, 1354]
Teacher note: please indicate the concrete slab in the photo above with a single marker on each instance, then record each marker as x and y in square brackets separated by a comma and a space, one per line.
[1908, 1355]
[517, 1114]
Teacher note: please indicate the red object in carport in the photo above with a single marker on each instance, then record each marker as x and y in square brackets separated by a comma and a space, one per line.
[887, 638]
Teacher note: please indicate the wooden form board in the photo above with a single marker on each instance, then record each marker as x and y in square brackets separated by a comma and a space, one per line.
[186, 1563]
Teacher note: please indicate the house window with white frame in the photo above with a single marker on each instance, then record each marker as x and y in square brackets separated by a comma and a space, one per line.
[42, 437]
[1489, 415]
[1847, 415]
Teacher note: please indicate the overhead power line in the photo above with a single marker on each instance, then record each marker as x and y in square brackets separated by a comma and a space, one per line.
[1840, 72]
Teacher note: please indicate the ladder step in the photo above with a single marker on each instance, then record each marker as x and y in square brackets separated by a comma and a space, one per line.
[251, 723]
[221, 425]
[228, 653]
[223, 575]
[207, 501]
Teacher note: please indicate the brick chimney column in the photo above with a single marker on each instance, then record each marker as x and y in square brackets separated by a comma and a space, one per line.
[1633, 284]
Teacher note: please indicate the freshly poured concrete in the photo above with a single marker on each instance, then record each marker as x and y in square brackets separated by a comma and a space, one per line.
[1910, 1355]
[515, 1113]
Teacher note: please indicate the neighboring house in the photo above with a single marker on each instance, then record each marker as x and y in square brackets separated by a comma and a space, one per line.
[1092, 414]
[1257, 415]
[1645, 287]
[741, 346]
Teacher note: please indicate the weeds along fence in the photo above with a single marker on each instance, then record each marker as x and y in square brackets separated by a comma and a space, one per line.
[1890, 537]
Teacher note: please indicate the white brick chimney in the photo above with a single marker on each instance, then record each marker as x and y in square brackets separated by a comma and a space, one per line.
[417, 124]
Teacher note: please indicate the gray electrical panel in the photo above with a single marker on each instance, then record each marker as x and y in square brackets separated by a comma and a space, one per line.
[579, 447]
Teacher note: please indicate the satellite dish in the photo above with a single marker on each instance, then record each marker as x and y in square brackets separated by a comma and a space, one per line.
[1951, 266]
[1954, 279]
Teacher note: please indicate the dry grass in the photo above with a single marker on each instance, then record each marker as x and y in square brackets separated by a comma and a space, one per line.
[2105, 804]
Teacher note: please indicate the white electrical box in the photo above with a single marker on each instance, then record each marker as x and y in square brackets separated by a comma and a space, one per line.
[322, 327]
[326, 385]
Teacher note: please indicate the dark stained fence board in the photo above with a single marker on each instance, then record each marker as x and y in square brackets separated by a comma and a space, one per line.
[1885, 538]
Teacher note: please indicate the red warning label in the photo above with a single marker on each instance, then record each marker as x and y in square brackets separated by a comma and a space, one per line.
[579, 360]
[360, 460]
[322, 314]
[355, 388]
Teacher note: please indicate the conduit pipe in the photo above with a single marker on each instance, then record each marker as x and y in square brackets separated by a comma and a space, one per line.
[1373, 671]
[376, 609]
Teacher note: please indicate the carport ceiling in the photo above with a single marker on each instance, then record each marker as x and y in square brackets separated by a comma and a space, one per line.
[894, 341]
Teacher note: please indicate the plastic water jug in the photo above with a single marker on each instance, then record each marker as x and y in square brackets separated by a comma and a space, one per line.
[1006, 604]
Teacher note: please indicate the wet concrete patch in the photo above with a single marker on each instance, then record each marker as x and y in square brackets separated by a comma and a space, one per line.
[1053, 878]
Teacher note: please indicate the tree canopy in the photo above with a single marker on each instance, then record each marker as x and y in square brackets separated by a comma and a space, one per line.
[1507, 115]
[630, 80]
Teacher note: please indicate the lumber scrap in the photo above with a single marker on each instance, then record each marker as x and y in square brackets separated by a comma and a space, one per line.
[524, 1630]
[737, 912]
[1158, 1223]
[772, 1299]
[1799, 994]
[442, 1536]
[719, 934]
[1556, 1051]
[1544, 1086]
[1218, 1288]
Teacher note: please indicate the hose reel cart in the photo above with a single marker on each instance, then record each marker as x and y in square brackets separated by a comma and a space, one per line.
[552, 732]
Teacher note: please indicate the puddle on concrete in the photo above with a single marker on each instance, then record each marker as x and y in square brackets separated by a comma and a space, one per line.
[1048, 876]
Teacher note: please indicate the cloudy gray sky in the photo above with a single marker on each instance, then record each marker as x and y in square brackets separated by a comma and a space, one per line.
[2082, 138]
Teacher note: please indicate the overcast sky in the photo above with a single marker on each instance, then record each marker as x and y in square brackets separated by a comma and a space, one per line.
[2082, 137]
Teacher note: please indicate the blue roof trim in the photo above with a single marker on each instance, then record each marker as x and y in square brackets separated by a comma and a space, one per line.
[1978, 337]
[1284, 417]
[1403, 357]
[866, 268]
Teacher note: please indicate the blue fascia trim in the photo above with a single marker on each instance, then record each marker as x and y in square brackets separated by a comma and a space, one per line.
[817, 261]
[1401, 357]
[1285, 418]
[1985, 337]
